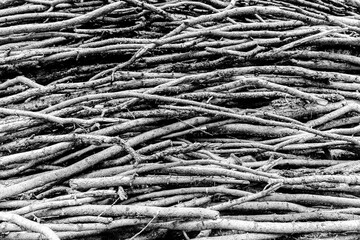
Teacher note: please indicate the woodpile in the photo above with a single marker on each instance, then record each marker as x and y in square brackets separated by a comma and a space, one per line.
[209, 120]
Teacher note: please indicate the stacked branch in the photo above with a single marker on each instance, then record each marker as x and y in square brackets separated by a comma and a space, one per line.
[213, 119]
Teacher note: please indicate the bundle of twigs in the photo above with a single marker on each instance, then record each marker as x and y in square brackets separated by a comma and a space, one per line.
[218, 119]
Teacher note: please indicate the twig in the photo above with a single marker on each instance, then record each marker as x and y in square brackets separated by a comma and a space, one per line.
[28, 225]
[227, 205]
